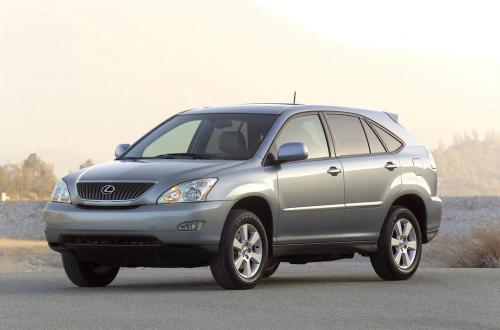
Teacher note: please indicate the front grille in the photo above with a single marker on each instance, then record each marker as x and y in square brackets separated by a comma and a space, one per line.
[111, 240]
[112, 191]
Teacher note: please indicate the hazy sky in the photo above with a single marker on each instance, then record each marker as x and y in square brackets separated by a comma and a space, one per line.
[79, 77]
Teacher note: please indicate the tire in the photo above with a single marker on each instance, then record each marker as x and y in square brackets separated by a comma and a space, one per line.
[399, 248]
[85, 274]
[236, 265]
[271, 267]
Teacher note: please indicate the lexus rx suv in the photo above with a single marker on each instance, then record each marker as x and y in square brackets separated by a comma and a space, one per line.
[243, 188]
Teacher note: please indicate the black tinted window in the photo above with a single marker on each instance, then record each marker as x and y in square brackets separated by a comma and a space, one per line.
[374, 142]
[391, 142]
[348, 135]
[308, 130]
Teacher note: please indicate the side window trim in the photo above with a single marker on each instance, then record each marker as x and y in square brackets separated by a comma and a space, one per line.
[328, 135]
[328, 131]
[366, 136]
[366, 121]
[371, 123]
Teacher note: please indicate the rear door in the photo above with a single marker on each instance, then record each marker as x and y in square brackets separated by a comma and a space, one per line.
[311, 192]
[371, 174]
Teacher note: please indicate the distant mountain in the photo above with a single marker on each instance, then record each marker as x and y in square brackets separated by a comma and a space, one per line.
[469, 166]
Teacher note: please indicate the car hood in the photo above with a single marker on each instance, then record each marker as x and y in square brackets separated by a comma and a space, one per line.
[165, 173]
[159, 170]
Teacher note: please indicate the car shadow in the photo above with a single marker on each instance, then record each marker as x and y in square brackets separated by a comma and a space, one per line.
[211, 285]
[176, 284]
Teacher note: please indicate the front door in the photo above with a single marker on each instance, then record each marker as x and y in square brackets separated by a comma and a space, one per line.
[311, 192]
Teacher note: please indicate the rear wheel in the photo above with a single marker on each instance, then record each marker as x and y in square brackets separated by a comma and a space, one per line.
[87, 274]
[271, 267]
[399, 246]
[242, 254]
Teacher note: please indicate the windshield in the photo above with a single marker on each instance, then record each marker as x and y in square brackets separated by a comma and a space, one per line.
[205, 136]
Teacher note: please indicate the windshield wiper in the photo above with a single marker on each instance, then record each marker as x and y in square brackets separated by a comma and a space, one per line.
[181, 155]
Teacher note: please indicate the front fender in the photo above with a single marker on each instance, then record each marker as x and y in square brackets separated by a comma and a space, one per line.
[260, 182]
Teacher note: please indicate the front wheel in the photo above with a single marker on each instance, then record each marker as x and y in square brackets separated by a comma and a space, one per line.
[242, 252]
[271, 267]
[87, 274]
[399, 246]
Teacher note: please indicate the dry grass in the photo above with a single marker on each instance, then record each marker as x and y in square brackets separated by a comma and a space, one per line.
[31, 255]
[21, 243]
[479, 249]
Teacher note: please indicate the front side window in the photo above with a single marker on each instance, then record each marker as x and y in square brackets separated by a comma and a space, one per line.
[308, 130]
[207, 136]
[348, 135]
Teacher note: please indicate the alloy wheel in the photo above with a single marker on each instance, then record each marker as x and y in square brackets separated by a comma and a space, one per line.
[247, 251]
[404, 243]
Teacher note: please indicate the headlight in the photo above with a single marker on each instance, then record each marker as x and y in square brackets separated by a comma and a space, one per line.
[61, 193]
[191, 191]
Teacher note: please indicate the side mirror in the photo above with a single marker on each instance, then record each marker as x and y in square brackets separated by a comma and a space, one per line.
[293, 151]
[120, 149]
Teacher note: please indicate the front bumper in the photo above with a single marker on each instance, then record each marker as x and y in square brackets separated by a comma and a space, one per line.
[158, 221]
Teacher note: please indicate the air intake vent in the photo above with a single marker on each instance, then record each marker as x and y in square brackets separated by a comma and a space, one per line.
[112, 191]
[111, 240]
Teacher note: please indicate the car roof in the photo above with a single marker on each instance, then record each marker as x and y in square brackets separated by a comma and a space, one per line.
[274, 108]
[386, 119]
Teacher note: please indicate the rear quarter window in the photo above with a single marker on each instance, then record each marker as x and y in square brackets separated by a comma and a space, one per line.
[390, 141]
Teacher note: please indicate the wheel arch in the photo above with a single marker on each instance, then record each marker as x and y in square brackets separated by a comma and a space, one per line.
[262, 208]
[417, 206]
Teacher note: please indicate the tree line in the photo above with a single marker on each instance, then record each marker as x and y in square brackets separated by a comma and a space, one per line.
[469, 165]
[31, 179]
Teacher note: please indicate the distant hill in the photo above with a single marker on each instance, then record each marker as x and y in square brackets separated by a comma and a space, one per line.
[469, 166]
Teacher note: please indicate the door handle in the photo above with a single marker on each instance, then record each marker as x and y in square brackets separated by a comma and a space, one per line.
[334, 171]
[391, 166]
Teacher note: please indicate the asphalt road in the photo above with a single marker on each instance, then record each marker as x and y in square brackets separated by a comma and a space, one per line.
[333, 295]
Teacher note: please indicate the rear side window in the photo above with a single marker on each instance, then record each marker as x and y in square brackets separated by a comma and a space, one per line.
[390, 141]
[348, 134]
[375, 145]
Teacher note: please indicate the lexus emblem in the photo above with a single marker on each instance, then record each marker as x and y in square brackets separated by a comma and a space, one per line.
[107, 189]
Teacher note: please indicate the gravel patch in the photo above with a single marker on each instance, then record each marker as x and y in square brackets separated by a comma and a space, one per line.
[22, 219]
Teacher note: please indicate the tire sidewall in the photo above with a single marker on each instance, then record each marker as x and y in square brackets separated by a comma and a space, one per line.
[271, 267]
[397, 214]
[237, 219]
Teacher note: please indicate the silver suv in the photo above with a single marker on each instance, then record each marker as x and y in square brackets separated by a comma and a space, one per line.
[243, 188]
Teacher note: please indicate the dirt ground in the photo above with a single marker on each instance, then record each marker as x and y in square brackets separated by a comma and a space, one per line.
[27, 255]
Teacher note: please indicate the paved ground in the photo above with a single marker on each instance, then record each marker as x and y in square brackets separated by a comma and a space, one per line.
[330, 295]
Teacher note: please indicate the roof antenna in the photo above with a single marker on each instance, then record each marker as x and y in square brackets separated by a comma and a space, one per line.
[294, 95]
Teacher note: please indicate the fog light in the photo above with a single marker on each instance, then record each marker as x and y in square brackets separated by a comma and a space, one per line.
[191, 226]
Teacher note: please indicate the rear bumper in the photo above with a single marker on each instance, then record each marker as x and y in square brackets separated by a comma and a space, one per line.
[158, 221]
[434, 207]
